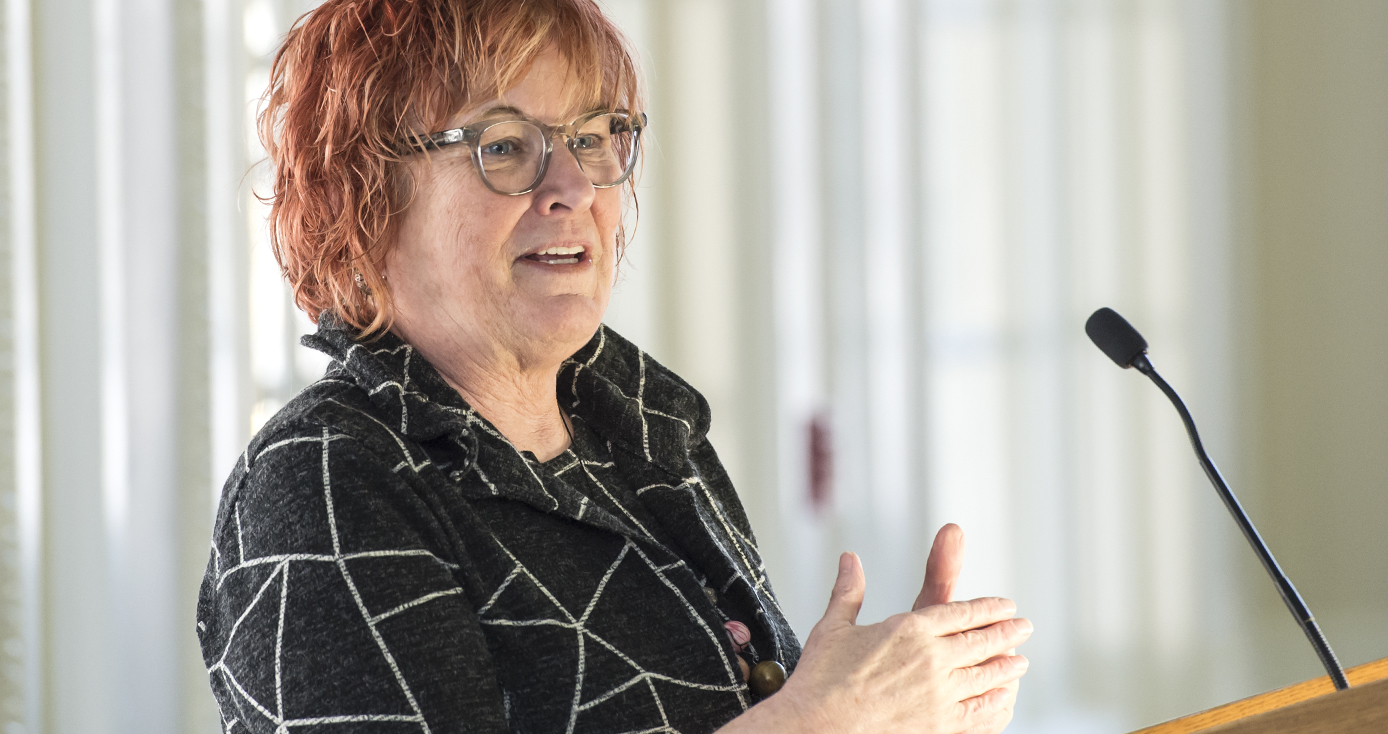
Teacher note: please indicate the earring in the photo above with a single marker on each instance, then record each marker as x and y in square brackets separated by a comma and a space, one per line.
[361, 284]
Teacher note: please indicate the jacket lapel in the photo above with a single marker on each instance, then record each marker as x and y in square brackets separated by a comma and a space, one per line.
[656, 418]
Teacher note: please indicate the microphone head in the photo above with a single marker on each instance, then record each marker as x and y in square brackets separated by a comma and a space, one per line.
[1114, 336]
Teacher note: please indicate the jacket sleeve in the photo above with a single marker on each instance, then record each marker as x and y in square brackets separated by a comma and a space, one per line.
[330, 605]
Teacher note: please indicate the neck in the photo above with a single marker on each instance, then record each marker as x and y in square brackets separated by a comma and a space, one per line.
[519, 400]
[523, 407]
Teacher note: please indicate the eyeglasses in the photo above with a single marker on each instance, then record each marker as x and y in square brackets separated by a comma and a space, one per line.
[513, 155]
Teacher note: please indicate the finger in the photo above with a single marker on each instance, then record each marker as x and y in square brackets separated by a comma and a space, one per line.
[1000, 672]
[973, 647]
[847, 597]
[1001, 719]
[958, 616]
[942, 567]
[994, 725]
[982, 708]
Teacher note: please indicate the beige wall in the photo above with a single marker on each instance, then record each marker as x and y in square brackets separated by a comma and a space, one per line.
[1316, 263]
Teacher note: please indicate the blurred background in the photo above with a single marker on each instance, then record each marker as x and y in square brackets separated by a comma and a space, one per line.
[870, 233]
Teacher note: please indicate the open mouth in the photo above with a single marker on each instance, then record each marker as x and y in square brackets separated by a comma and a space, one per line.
[559, 256]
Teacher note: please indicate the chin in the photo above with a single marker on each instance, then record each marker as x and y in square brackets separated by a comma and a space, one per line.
[566, 323]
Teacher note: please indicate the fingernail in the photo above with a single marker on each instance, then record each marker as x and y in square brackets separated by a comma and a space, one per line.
[844, 562]
[1020, 663]
[1023, 626]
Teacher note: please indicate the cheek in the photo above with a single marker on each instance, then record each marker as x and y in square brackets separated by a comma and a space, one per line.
[607, 207]
[454, 226]
[463, 210]
[607, 214]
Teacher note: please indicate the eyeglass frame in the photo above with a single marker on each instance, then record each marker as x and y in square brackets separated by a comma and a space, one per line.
[473, 134]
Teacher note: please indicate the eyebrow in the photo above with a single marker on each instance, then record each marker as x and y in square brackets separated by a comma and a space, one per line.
[499, 109]
[502, 109]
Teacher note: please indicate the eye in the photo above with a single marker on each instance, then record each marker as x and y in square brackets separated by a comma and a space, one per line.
[588, 142]
[504, 147]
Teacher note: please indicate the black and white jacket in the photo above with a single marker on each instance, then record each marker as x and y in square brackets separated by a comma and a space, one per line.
[385, 561]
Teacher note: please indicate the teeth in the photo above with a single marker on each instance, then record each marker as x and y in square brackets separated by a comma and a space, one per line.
[565, 261]
[561, 251]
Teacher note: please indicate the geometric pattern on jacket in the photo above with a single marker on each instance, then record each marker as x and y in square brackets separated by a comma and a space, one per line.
[383, 560]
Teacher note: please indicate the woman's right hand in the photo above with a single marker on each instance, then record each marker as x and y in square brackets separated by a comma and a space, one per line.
[942, 668]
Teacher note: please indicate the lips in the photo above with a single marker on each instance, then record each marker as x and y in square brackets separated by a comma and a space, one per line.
[558, 255]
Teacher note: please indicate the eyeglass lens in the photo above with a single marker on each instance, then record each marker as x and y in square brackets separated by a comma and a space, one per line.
[512, 153]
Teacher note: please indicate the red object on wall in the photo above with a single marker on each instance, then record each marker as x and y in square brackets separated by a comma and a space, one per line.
[821, 460]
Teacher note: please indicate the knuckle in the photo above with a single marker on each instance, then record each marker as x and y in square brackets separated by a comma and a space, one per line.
[981, 611]
[906, 625]
[966, 611]
[956, 614]
[992, 724]
[974, 707]
[978, 642]
[991, 701]
[914, 625]
[972, 677]
[992, 674]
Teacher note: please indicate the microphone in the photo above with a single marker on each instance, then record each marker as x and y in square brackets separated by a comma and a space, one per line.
[1115, 337]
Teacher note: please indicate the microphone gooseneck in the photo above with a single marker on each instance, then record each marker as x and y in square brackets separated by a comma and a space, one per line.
[1126, 347]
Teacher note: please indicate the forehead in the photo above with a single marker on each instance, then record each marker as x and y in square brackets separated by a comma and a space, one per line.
[549, 92]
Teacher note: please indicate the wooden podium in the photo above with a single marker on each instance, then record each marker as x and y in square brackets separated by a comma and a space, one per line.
[1312, 707]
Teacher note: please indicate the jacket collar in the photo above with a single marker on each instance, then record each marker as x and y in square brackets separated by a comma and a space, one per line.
[634, 401]
[617, 389]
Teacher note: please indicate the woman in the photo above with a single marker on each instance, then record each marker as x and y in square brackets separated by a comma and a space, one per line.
[493, 513]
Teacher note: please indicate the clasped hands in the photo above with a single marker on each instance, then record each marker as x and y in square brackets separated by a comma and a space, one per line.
[945, 667]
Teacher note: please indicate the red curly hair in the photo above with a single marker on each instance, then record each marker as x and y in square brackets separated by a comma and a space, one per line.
[355, 77]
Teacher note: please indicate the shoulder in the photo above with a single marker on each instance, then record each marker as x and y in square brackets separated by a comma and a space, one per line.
[335, 403]
[325, 459]
[333, 409]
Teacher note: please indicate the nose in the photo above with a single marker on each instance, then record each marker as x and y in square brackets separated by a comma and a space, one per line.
[565, 186]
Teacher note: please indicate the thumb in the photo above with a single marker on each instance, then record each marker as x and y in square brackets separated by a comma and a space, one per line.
[847, 597]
